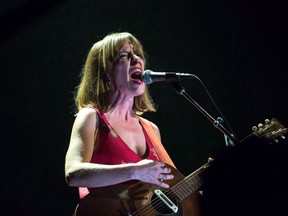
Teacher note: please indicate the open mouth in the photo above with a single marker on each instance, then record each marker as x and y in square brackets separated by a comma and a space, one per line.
[136, 76]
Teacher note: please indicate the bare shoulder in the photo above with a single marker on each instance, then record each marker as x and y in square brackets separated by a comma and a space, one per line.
[82, 137]
[155, 127]
[86, 118]
[86, 111]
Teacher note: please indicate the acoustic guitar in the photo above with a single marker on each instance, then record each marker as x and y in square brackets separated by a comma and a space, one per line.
[143, 199]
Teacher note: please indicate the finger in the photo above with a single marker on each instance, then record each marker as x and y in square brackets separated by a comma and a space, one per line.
[162, 184]
[163, 177]
[166, 170]
[168, 177]
[160, 164]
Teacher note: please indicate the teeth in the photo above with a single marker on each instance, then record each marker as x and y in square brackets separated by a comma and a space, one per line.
[138, 71]
[136, 74]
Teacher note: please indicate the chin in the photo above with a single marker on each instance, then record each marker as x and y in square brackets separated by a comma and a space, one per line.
[138, 93]
[139, 90]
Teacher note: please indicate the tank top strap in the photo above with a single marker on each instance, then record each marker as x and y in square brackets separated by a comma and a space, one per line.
[156, 142]
[102, 118]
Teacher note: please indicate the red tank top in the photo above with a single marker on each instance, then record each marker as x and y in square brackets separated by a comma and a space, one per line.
[113, 150]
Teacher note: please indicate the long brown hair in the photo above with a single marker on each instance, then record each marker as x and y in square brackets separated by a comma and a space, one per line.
[95, 87]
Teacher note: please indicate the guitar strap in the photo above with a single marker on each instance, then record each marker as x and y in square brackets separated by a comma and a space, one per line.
[156, 142]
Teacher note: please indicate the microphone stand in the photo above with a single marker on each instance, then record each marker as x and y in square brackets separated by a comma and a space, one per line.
[229, 138]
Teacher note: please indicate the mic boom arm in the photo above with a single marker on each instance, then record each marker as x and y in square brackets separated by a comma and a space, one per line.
[217, 123]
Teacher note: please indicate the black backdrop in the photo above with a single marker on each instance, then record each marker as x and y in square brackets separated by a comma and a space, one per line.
[238, 49]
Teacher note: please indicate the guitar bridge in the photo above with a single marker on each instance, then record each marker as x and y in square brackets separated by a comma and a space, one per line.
[166, 200]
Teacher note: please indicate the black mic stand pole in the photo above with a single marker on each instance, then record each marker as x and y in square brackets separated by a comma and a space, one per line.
[229, 138]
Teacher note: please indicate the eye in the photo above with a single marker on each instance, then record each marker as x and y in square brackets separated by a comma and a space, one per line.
[127, 55]
[123, 55]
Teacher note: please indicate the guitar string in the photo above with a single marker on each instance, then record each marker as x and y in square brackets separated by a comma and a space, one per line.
[160, 205]
[179, 187]
[174, 191]
[194, 181]
[148, 208]
[194, 177]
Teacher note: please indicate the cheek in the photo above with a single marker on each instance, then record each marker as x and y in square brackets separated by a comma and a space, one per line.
[119, 74]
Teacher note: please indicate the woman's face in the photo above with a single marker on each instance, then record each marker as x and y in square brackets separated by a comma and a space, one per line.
[127, 71]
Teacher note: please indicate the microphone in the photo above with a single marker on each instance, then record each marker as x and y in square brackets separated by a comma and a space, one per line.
[149, 76]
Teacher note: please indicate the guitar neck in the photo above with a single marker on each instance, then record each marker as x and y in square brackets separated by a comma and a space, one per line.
[271, 130]
[189, 184]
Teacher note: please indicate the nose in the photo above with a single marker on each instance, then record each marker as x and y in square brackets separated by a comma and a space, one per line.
[134, 59]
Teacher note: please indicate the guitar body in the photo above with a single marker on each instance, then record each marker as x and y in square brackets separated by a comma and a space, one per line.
[137, 198]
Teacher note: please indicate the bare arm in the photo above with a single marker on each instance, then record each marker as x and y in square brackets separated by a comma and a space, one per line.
[80, 172]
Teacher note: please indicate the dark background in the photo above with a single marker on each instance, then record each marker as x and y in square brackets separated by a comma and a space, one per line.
[237, 48]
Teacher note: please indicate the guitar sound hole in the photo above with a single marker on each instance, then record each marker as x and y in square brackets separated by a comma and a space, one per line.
[162, 208]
